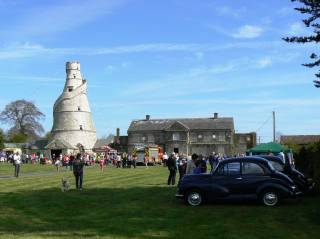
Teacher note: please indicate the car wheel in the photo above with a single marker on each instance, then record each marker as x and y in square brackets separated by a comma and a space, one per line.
[194, 198]
[270, 198]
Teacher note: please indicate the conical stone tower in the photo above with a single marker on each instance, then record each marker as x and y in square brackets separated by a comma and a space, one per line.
[72, 121]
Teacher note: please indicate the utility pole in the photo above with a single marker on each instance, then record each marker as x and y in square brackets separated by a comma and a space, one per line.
[274, 126]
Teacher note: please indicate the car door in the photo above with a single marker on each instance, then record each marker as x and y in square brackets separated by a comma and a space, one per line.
[253, 175]
[226, 181]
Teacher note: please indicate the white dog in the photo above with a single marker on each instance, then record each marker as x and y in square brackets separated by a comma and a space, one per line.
[65, 185]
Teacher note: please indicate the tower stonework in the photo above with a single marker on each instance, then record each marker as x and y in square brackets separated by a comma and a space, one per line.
[72, 120]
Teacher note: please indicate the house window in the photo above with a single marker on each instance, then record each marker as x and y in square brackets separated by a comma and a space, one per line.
[143, 138]
[200, 137]
[214, 136]
[81, 127]
[222, 136]
[175, 136]
[79, 108]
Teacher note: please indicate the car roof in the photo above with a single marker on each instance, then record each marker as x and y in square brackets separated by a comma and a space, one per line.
[271, 158]
[246, 159]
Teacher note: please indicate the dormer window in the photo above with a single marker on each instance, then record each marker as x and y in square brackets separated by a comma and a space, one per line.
[175, 136]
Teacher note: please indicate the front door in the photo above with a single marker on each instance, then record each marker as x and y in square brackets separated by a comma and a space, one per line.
[55, 153]
[227, 180]
[253, 175]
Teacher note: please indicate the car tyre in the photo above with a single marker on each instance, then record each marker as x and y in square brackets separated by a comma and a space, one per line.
[270, 198]
[194, 198]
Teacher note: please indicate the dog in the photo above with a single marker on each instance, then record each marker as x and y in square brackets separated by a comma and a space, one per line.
[65, 185]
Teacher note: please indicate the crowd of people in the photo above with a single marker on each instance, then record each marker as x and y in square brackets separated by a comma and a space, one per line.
[194, 164]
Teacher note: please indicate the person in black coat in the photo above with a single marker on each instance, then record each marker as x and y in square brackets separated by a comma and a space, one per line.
[172, 166]
[78, 165]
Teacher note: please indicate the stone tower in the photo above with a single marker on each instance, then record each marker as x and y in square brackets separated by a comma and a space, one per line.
[73, 126]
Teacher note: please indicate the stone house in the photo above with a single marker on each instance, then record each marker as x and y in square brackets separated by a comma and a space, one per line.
[185, 136]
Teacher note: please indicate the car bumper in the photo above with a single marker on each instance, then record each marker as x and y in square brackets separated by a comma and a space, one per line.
[296, 194]
[180, 196]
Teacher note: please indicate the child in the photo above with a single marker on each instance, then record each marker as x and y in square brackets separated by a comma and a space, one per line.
[101, 163]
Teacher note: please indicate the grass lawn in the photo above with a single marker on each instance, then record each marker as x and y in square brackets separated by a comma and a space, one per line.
[136, 203]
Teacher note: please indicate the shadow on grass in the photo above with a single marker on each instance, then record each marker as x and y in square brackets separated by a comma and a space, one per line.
[140, 212]
[123, 212]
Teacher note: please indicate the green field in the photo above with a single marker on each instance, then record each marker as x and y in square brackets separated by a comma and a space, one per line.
[136, 203]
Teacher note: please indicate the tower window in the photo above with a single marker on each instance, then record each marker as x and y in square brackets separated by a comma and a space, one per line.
[81, 127]
[69, 89]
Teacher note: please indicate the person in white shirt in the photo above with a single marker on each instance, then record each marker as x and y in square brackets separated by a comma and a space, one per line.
[17, 163]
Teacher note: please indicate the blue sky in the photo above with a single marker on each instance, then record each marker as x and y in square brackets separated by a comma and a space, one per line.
[166, 58]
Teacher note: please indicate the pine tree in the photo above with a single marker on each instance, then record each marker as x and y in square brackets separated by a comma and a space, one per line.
[312, 9]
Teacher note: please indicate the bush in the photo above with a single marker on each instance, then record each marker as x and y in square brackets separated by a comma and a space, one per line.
[307, 160]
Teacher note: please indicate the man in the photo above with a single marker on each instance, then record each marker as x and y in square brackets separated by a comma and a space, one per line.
[17, 163]
[211, 160]
[182, 167]
[172, 166]
[78, 171]
[191, 164]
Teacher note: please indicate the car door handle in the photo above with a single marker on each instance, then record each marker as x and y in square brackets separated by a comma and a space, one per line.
[239, 178]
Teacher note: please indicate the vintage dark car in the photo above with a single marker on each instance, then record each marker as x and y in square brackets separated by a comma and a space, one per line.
[244, 178]
[304, 184]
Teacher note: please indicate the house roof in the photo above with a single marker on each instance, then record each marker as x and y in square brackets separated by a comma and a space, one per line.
[59, 144]
[39, 144]
[191, 123]
[299, 139]
[103, 142]
[15, 145]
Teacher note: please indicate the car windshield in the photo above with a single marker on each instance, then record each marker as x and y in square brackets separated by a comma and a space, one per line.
[277, 166]
[271, 166]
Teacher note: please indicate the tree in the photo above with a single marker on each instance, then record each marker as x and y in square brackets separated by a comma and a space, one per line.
[24, 118]
[1, 140]
[312, 9]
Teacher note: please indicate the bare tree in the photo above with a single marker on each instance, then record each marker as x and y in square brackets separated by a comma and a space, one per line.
[24, 118]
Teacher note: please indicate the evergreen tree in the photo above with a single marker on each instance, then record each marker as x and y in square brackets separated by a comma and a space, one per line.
[311, 8]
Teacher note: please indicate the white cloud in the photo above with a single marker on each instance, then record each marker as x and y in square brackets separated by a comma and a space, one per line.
[248, 31]
[111, 68]
[285, 11]
[23, 50]
[297, 28]
[58, 17]
[264, 62]
[34, 50]
[230, 12]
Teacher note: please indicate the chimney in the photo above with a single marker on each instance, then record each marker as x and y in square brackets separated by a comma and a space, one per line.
[147, 117]
[215, 115]
[117, 138]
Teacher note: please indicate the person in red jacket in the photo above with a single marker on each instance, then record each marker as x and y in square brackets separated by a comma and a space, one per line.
[101, 164]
